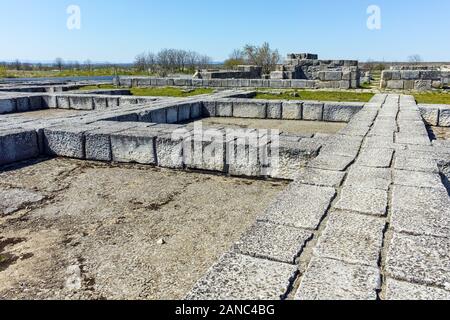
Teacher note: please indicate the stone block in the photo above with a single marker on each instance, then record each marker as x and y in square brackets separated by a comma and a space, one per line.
[7, 105]
[421, 211]
[364, 200]
[18, 145]
[444, 117]
[422, 85]
[81, 102]
[395, 84]
[430, 114]
[209, 108]
[65, 141]
[224, 108]
[273, 242]
[274, 110]
[416, 164]
[170, 149]
[207, 151]
[172, 114]
[407, 291]
[321, 178]
[250, 109]
[340, 112]
[330, 161]
[410, 74]
[419, 259]
[313, 110]
[184, 112]
[327, 279]
[352, 238]
[417, 179]
[23, 104]
[239, 277]
[292, 110]
[300, 206]
[134, 145]
[63, 102]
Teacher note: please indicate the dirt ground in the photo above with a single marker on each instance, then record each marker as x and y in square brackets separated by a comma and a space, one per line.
[441, 133]
[120, 231]
[289, 126]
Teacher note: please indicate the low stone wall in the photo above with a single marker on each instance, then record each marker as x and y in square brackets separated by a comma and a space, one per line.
[330, 80]
[421, 80]
[435, 115]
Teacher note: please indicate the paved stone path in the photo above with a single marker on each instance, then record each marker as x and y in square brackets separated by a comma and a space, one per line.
[369, 218]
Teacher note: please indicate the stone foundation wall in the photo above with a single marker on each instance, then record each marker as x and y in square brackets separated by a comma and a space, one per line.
[435, 115]
[421, 80]
[331, 80]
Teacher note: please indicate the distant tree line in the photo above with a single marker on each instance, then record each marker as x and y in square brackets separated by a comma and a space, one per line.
[262, 56]
[58, 64]
[171, 61]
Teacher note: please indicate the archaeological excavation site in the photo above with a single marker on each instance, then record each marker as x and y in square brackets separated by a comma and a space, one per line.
[105, 194]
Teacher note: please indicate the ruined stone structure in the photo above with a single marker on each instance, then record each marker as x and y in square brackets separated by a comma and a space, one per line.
[242, 72]
[366, 215]
[307, 66]
[421, 80]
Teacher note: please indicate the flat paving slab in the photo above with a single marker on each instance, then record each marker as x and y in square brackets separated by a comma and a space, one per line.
[300, 206]
[363, 200]
[352, 238]
[401, 291]
[327, 279]
[273, 242]
[240, 277]
[419, 259]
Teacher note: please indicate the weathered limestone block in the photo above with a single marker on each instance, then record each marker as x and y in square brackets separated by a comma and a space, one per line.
[18, 145]
[352, 238]
[81, 102]
[420, 259]
[208, 108]
[328, 279]
[239, 277]
[134, 145]
[321, 178]
[23, 104]
[368, 201]
[300, 206]
[224, 108]
[395, 84]
[207, 151]
[172, 114]
[369, 177]
[416, 164]
[418, 179]
[340, 112]
[65, 141]
[422, 85]
[12, 200]
[331, 161]
[374, 157]
[274, 110]
[430, 114]
[246, 155]
[184, 112]
[170, 149]
[250, 109]
[421, 211]
[273, 242]
[196, 110]
[63, 102]
[444, 116]
[401, 291]
[292, 110]
[313, 110]
[410, 74]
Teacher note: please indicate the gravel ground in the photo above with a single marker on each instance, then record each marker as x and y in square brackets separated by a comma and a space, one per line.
[103, 231]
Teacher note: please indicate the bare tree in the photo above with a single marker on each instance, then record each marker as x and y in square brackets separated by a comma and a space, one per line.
[235, 59]
[415, 59]
[59, 63]
[262, 56]
[17, 65]
[88, 65]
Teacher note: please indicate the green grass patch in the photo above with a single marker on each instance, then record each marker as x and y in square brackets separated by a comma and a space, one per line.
[433, 98]
[2, 259]
[339, 96]
[170, 92]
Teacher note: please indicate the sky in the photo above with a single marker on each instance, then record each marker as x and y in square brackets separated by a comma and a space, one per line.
[117, 30]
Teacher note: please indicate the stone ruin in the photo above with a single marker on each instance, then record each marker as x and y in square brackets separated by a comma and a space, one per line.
[366, 215]
[308, 66]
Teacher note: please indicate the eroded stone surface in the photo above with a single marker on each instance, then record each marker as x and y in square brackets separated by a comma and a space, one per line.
[12, 200]
[400, 290]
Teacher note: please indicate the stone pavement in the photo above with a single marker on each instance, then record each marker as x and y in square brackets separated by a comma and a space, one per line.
[367, 219]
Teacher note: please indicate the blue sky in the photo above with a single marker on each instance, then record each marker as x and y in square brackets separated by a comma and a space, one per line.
[117, 30]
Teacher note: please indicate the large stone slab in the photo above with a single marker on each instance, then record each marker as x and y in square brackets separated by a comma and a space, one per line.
[250, 109]
[330, 161]
[65, 141]
[421, 211]
[7, 105]
[416, 164]
[340, 112]
[352, 238]
[364, 200]
[313, 110]
[273, 242]
[327, 279]
[420, 259]
[240, 277]
[368, 177]
[300, 206]
[134, 145]
[374, 157]
[417, 179]
[18, 145]
[292, 110]
[401, 291]
[12, 200]
[318, 177]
